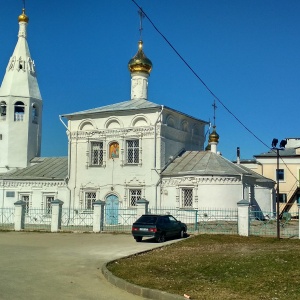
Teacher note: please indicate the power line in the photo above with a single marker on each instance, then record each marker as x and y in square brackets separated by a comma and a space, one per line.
[199, 78]
[206, 86]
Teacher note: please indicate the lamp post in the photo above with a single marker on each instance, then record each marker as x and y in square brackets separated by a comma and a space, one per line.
[281, 147]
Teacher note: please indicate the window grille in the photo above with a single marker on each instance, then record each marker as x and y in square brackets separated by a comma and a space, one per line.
[134, 195]
[25, 198]
[90, 198]
[280, 174]
[132, 151]
[187, 197]
[97, 153]
[282, 198]
[48, 207]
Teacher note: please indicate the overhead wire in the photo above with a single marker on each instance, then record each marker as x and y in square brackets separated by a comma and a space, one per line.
[206, 86]
[199, 78]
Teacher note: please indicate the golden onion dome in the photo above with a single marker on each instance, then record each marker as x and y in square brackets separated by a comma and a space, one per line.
[214, 137]
[23, 17]
[208, 147]
[140, 63]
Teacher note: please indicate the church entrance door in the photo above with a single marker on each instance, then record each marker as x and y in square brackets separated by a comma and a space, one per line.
[112, 209]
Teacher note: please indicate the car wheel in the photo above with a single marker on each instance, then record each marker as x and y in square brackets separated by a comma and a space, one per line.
[161, 238]
[138, 238]
[181, 234]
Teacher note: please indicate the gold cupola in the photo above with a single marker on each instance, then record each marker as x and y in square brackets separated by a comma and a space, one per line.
[23, 17]
[213, 137]
[140, 63]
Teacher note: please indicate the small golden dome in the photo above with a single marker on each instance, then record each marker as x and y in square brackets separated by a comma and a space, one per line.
[140, 63]
[214, 137]
[23, 17]
[208, 147]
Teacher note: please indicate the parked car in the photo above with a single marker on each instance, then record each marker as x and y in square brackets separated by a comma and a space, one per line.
[158, 226]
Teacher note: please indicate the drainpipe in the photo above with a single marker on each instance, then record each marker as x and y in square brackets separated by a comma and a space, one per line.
[155, 145]
[242, 180]
[2, 199]
[156, 122]
[69, 165]
[75, 177]
[156, 188]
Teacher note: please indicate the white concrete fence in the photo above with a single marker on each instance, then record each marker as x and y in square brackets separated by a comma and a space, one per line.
[56, 214]
[243, 215]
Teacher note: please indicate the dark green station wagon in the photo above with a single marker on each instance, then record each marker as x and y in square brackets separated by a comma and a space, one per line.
[158, 226]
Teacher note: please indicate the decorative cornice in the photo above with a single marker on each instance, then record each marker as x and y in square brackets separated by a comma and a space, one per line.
[33, 184]
[120, 132]
[199, 180]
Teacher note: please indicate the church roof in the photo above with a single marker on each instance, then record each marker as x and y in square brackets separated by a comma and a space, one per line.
[129, 105]
[42, 168]
[208, 163]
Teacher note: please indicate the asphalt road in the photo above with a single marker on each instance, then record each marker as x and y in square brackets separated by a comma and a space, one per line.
[62, 265]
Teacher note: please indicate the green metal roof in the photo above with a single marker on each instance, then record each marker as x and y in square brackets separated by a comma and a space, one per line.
[41, 168]
[208, 163]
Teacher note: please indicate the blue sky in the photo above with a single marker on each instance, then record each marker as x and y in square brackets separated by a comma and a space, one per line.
[247, 52]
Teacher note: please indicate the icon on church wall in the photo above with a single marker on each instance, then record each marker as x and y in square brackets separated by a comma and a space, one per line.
[114, 150]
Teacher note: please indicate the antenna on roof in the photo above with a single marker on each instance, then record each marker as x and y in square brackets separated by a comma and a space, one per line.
[142, 15]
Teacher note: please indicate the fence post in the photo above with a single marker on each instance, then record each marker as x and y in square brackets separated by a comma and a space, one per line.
[56, 211]
[19, 215]
[243, 218]
[98, 218]
[299, 219]
[142, 207]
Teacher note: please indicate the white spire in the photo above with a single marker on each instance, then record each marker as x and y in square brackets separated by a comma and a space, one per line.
[20, 77]
[20, 107]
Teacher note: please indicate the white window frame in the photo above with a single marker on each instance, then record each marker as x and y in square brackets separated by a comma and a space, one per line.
[23, 197]
[99, 162]
[135, 152]
[183, 193]
[47, 203]
[88, 200]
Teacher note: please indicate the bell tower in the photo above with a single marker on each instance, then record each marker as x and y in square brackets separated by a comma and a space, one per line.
[20, 107]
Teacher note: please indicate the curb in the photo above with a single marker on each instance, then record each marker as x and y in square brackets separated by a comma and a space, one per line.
[136, 289]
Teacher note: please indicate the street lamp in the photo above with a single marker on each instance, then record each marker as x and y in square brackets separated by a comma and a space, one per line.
[281, 147]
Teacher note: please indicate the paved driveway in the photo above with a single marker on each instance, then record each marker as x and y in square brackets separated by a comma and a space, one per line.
[62, 265]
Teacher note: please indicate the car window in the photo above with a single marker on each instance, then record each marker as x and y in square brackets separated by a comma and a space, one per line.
[166, 220]
[172, 219]
[147, 219]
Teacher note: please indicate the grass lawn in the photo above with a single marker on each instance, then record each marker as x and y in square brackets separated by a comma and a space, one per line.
[219, 267]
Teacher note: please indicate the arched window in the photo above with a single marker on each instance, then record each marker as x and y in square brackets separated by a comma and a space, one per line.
[19, 111]
[2, 110]
[34, 113]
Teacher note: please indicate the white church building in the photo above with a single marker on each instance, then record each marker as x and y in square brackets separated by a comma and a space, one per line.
[117, 153]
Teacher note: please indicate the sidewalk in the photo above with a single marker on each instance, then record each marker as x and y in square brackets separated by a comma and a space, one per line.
[62, 265]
